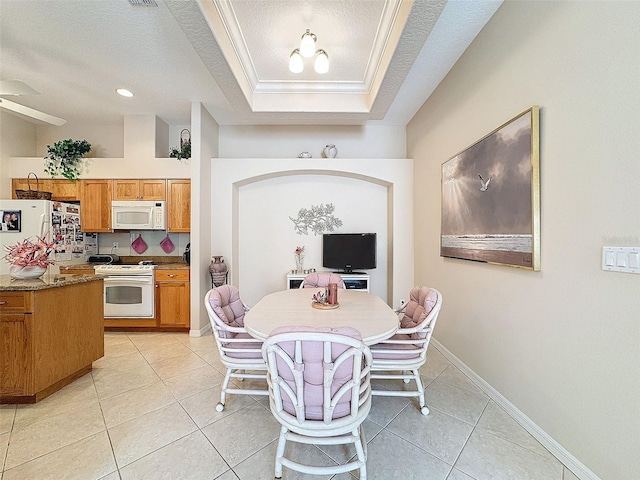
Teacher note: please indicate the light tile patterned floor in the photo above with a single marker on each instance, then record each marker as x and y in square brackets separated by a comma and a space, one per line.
[147, 411]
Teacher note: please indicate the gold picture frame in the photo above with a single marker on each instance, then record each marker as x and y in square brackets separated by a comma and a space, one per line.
[491, 197]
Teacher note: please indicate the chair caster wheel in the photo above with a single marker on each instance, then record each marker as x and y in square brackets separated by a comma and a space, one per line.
[219, 407]
[424, 411]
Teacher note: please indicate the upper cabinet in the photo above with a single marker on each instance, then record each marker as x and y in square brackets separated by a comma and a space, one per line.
[95, 201]
[178, 205]
[65, 190]
[61, 190]
[136, 189]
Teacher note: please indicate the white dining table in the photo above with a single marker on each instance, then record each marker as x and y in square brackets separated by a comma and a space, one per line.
[364, 311]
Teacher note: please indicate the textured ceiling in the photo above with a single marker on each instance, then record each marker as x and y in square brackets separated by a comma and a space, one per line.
[386, 57]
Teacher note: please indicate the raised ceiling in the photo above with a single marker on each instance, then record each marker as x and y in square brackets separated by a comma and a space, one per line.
[386, 57]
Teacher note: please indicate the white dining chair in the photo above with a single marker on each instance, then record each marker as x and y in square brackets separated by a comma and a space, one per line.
[240, 353]
[401, 356]
[319, 392]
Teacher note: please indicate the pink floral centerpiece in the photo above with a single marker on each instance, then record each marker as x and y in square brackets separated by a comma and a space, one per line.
[29, 259]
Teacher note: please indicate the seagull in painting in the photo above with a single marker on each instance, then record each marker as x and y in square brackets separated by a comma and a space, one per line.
[485, 185]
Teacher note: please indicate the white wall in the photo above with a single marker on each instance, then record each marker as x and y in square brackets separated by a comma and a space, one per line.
[253, 198]
[561, 344]
[107, 141]
[204, 146]
[17, 138]
[264, 213]
[288, 141]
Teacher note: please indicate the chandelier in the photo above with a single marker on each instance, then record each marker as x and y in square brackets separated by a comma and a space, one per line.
[308, 49]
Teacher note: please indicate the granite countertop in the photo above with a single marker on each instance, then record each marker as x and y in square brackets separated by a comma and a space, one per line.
[9, 284]
[162, 266]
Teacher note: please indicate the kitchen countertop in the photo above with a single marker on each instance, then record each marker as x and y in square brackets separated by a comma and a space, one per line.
[162, 266]
[9, 284]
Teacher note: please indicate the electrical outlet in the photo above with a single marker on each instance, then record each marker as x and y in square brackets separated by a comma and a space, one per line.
[401, 302]
[115, 245]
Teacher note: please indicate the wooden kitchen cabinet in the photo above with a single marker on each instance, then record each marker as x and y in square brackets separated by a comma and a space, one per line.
[136, 189]
[48, 341]
[43, 185]
[95, 201]
[77, 271]
[65, 190]
[61, 190]
[172, 298]
[178, 205]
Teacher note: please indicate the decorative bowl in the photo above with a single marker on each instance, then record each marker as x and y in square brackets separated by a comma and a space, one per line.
[27, 272]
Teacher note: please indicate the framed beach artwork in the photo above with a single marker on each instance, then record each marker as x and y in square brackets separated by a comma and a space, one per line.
[491, 197]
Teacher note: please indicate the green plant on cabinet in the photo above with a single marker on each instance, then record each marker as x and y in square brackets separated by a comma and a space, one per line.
[64, 158]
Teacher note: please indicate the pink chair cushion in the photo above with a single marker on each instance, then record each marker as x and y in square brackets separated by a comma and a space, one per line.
[322, 279]
[421, 302]
[402, 351]
[239, 346]
[226, 304]
[312, 357]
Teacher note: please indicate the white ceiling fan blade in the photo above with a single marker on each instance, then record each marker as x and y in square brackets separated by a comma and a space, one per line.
[30, 112]
[16, 87]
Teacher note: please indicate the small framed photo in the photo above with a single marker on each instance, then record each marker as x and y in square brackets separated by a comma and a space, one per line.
[11, 220]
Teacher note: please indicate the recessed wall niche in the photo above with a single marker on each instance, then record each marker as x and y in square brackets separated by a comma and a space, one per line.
[264, 211]
[253, 198]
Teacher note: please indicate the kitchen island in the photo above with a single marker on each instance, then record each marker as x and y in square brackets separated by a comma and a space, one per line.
[51, 331]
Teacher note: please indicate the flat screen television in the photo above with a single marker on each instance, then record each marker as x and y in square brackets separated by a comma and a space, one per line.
[347, 252]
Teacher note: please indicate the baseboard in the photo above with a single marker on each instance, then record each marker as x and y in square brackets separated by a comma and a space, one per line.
[199, 333]
[557, 450]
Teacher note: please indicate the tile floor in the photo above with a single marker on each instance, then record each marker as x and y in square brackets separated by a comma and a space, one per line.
[147, 411]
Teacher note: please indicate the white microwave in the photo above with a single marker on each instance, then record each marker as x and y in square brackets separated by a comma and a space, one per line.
[138, 215]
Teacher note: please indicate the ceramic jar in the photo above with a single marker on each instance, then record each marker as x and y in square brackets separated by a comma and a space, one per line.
[330, 151]
[218, 271]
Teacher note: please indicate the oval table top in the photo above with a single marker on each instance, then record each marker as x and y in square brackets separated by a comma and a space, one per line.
[365, 312]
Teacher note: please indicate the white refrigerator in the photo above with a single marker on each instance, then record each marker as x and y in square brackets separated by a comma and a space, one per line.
[21, 219]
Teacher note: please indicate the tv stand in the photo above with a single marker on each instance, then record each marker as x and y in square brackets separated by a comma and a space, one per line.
[352, 281]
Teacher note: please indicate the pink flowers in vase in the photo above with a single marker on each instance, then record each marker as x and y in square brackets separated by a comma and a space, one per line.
[299, 256]
[30, 254]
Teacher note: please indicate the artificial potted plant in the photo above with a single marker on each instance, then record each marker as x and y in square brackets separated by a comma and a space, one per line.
[185, 146]
[28, 258]
[63, 158]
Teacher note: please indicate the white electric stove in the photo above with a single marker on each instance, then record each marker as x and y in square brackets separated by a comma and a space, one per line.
[128, 290]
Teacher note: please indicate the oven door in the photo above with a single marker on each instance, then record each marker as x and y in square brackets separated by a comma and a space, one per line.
[128, 296]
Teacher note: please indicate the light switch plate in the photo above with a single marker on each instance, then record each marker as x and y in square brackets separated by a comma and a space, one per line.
[621, 259]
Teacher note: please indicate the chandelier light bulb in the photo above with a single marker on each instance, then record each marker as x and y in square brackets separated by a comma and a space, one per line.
[308, 44]
[295, 62]
[322, 62]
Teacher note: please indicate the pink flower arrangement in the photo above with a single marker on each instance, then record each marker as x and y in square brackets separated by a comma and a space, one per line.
[300, 250]
[320, 297]
[30, 254]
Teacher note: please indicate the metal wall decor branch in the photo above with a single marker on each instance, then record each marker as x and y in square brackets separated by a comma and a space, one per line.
[318, 219]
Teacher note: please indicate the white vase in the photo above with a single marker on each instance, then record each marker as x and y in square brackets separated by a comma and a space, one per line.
[25, 273]
[330, 151]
